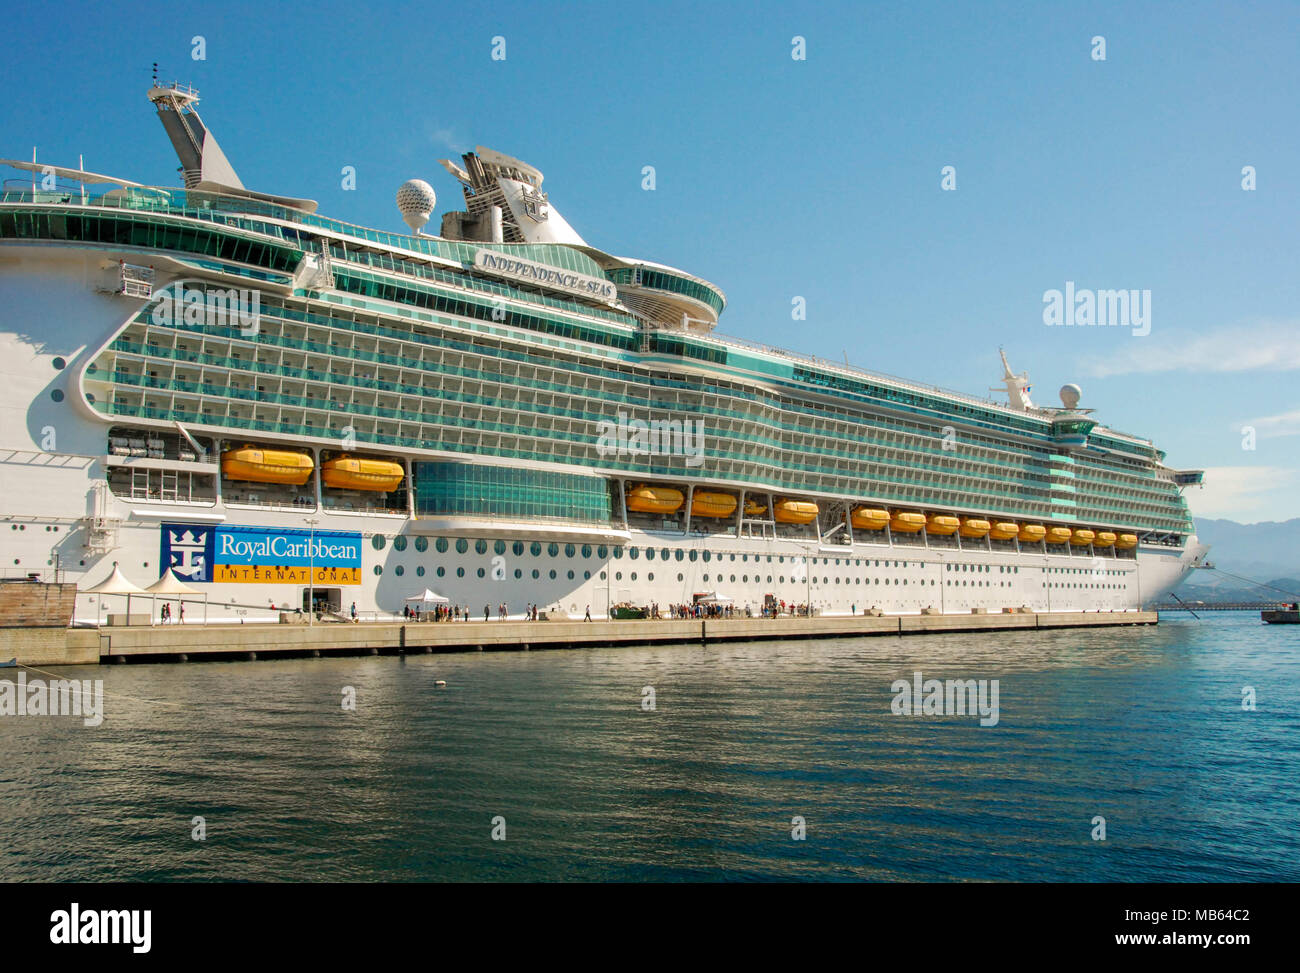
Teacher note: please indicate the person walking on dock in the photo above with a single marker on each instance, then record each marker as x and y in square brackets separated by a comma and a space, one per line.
[588, 618]
[485, 613]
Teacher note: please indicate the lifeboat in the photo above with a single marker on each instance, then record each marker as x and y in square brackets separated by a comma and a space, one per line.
[974, 528]
[1082, 537]
[1059, 535]
[1105, 538]
[795, 512]
[355, 473]
[869, 518]
[705, 503]
[644, 499]
[1126, 541]
[254, 465]
[1032, 533]
[755, 509]
[942, 525]
[906, 522]
[1005, 530]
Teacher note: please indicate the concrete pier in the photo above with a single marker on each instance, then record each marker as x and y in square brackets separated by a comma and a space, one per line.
[79, 646]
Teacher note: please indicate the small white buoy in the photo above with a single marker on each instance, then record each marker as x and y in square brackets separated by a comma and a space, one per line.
[440, 682]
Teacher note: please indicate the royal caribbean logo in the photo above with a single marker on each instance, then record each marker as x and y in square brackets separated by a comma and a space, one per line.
[262, 555]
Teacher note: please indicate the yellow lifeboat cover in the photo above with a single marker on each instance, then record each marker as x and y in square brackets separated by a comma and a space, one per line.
[360, 473]
[1004, 530]
[942, 524]
[654, 500]
[1059, 535]
[906, 522]
[974, 527]
[869, 518]
[709, 504]
[1105, 538]
[1127, 540]
[255, 465]
[1082, 537]
[795, 511]
[1032, 533]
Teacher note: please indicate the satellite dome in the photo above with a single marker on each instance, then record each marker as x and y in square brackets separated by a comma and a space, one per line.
[1070, 396]
[416, 200]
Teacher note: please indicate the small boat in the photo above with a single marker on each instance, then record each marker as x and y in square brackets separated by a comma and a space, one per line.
[1282, 616]
[1059, 535]
[1032, 533]
[644, 499]
[1004, 530]
[869, 518]
[705, 503]
[942, 525]
[1082, 537]
[906, 522]
[11, 664]
[754, 508]
[975, 528]
[355, 473]
[795, 512]
[254, 465]
[1126, 541]
[1105, 538]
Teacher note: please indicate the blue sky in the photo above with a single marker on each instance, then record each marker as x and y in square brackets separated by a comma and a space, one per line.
[818, 178]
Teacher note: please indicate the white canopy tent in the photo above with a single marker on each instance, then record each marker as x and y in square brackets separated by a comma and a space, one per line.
[713, 598]
[115, 584]
[170, 586]
[429, 597]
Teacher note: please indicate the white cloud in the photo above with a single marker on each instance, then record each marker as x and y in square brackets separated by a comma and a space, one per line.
[448, 139]
[1270, 346]
[1271, 427]
[1246, 494]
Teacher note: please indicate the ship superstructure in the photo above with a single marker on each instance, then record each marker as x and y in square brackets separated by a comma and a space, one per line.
[287, 409]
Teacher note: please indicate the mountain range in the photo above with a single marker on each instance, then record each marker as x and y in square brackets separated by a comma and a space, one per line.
[1267, 552]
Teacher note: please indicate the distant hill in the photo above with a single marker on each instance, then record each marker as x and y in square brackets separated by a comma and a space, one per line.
[1267, 552]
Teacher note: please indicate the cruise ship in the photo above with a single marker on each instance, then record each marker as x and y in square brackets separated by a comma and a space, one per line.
[225, 390]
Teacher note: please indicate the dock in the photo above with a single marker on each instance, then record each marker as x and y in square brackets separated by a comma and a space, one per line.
[45, 646]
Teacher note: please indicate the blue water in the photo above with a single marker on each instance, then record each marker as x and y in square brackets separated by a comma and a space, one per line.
[1144, 727]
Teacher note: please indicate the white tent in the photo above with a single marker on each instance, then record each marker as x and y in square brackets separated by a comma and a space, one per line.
[713, 598]
[170, 586]
[428, 597]
[115, 584]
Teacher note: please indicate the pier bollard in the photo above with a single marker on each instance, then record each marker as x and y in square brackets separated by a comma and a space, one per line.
[252, 657]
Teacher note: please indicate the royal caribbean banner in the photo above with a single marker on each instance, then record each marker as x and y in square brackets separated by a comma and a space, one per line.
[261, 555]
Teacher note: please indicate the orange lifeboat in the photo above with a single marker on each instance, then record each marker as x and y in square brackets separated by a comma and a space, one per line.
[906, 522]
[256, 465]
[942, 525]
[755, 509]
[1082, 537]
[1031, 533]
[1126, 541]
[355, 473]
[644, 499]
[795, 512]
[869, 518]
[1059, 535]
[1105, 538]
[1004, 530]
[705, 503]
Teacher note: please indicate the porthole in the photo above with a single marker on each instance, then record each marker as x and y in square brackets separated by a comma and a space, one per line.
[570, 550]
[441, 571]
[603, 575]
[59, 364]
[399, 543]
[663, 553]
[633, 575]
[680, 554]
[422, 544]
[460, 572]
[552, 574]
[399, 570]
[440, 545]
[649, 553]
[694, 555]
[681, 577]
[536, 574]
[518, 574]
[56, 395]
[650, 576]
[586, 575]
[462, 545]
[553, 550]
[379, 569]
[602, 552]
[419, 571]
[480, 547]
[618, 575]
[480, 572]
[499, 547]
[586, 551]
[707, 556]
[535, 549]
[518, 548]
[377, 542]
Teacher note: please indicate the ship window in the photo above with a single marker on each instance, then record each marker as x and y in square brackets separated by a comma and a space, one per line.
[59, 364]
[649, 553]
[707, 556]
[586, 550]
[460, 572]
[535, 549]
[462, 545]
[480, 572]
[499, 547]
[618, 575]
[535, 574]
[681, 577]
[602, 576]
[518, 574]
[693, 555]
[399, 543]
[441, 571]
[633, 553]
[553, 550]
[377, 542]
[57, 395]
[480, 547]
[586, 575]
[680, 554]
[379, 569]
[422, 544]
[419, 572]
[570, 551]
[518, 548]
[441, 545]
[399, 570]
[602, 552]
